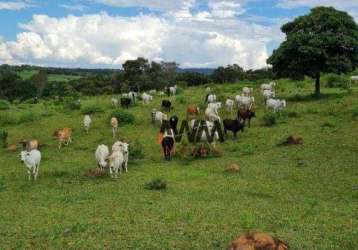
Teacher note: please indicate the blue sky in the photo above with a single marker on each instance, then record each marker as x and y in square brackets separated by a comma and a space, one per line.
[105, 33]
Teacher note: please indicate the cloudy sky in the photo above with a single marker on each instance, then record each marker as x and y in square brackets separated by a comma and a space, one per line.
[105, 33]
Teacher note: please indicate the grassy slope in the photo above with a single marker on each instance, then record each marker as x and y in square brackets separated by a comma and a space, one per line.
[312, 207]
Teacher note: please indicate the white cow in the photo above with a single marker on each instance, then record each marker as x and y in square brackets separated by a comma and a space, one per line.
[212, 112]
[123, 148]
[208, 89]
[229, 105]
[275, 104]
[247, 91]
[161, 93]
[115, 102]
[158, 116]
[244, 101]
[267, 94]
[269, 86]
[152, 91]
[211, 98]
[101, 155]
[146, 98]
[114, 124]
[116, 160]
[32, 161]
[87, 122]
[173, 90]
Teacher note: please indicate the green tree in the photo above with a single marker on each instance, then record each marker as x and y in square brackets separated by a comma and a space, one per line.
[325, 40]
[231, 73]
[40, 80]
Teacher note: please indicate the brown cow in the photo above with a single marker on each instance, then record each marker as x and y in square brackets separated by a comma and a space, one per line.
[257, 241]
[63, 136]
[244, 114]
[192, 110]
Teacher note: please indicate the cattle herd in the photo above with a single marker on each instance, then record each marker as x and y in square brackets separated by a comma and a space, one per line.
[117, 160]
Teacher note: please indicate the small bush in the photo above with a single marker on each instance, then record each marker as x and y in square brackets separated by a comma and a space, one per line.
[123, 117]
[180, 99]
[27, 117]
[136, 150]
[3, 138]
[88, 110]
[269, 119]
[336, 81]
[156, 184]
[4, 105]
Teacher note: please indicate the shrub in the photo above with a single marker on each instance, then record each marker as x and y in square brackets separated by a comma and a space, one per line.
[4, 105]
[3, 138]
[291, 114]
[336, 81]
[269, 119]
[91, 109]
[156, 184]
[136, 150]
[123, 117]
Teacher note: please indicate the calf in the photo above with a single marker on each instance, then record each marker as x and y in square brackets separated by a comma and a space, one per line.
[101, 155]
[158, 116]
[192, 110]
[114, 102]
[234, 126]
[244, 114]
[114, 124]
[166, 105]
[125, 102]
[32, 161]
[229, 105]
[257, 241]
[116, 160]
[63, 136]
[123, 148]
[146, 98]
[87, 122]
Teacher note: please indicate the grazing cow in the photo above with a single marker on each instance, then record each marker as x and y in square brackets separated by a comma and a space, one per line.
[275, 104]
[158, 116]
[247, 91]
[133, 95]
[234, 126]
[114, 125]
[229, 105]
[267, 94]
[212, 112]
[114, 102]
[63, 136]
[173, 122]
[87, 122]
[210, 98]
[32, 161]
[269, 86]
[257, 241]
[167, 141]
[161, 93]
[152, 91]
[101, 155]
[116, 160]
[146, 98]
[125, 102]
[192, 110]
[166, 105]
[123, 148]
[30, 145]
[244, 114]
[244, 101]
[173, 90]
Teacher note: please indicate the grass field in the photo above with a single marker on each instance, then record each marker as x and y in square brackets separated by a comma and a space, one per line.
[27, 74]
[306, 195]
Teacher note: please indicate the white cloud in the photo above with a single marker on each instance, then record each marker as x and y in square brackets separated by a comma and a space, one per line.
[14, 5]
[76, 7]
[204, 38]
[160, 5]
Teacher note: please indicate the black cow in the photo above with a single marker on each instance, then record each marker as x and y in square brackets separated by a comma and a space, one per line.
[168, 139]
[234, 126]
[173, 122]
[166, 105]
[125, 102]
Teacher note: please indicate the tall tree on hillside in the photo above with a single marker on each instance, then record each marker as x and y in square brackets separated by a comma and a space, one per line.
[325, 40]
[228, 74]
[40, 80]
